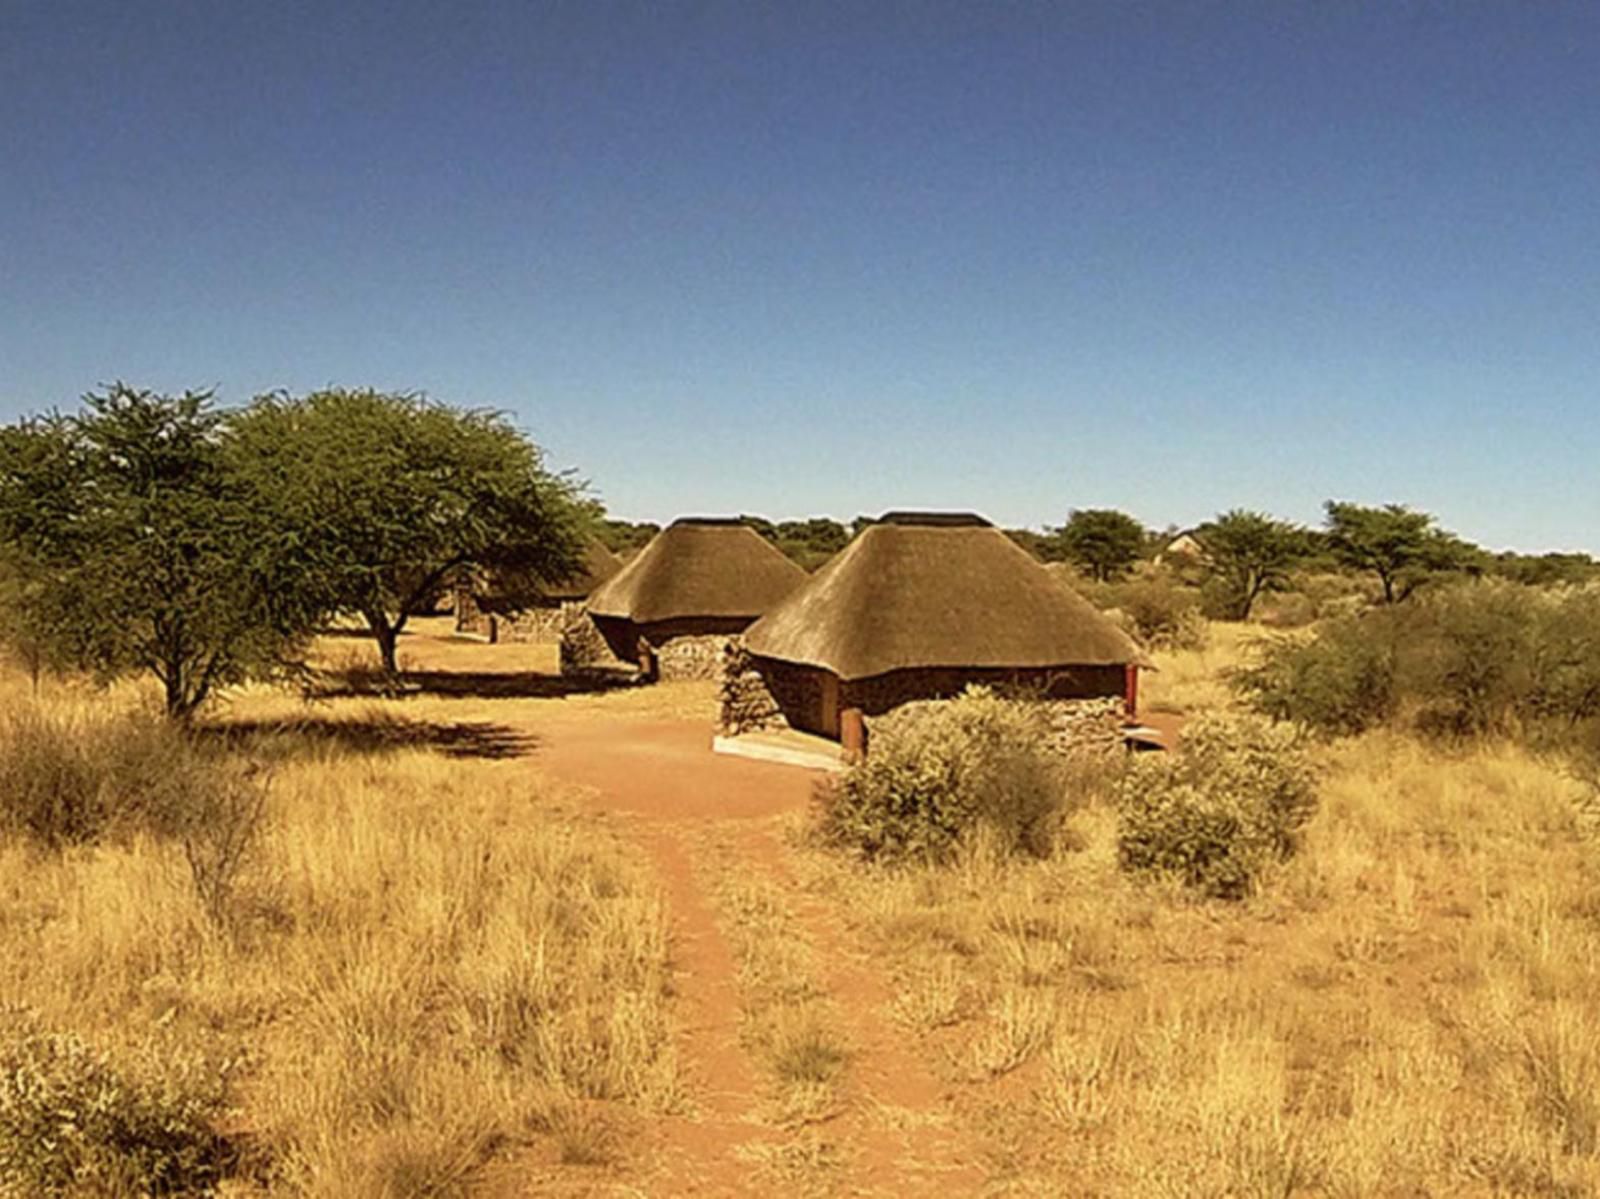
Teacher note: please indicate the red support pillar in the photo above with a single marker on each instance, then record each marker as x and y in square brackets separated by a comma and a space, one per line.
[853, 734]
[1130, 693]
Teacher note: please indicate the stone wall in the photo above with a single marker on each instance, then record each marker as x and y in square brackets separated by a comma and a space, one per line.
[880, 693]
[471, 620]
[1075, 727]
[541, 624]
[748, 705]
[1086, 726]
[583, 650]
[690, 656]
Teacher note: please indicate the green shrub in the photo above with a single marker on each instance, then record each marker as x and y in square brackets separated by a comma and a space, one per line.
[1162, 612]
[1332, 593]
[940, 772]
[1287, 610]
[1478, 658]
[1471, 654]
[72, 1122]
[1339, 682]
[1221, 810]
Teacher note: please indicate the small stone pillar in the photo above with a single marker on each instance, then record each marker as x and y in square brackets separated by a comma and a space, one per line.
[853, 734]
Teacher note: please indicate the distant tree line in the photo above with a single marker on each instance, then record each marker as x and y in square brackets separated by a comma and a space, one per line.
[164, 534]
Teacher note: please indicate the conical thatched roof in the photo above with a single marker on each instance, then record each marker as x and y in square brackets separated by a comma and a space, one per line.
[499, 591]
[699, 566]
[936, 590]
[599, 566]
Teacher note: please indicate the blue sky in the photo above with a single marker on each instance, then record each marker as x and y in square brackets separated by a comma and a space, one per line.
[805, 258]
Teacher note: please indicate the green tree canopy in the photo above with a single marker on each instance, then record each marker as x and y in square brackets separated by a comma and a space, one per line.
[624, 537]
[809, 543]
[1040, 545]
[1543, 570]
[132, 543]
[1248, 553]
[1402, 547]
[1101, 542]
[389, 494]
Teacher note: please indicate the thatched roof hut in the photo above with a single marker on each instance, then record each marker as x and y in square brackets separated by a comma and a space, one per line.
[483, 596]
[918, 606]
[599, 566]
[699, 577]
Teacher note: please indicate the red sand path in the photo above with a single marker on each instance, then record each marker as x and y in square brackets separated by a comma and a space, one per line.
[661, 777]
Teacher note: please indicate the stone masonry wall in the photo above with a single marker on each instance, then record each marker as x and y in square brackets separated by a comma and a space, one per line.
[471, 620]
[583, 650]
[1085, 726]
[1076, 727]
[541, 624]
[691, 656]
[748, 705]
[880, 693]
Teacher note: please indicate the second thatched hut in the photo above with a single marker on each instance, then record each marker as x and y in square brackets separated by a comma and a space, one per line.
[491, 607]
[919, 606]
[701, 580]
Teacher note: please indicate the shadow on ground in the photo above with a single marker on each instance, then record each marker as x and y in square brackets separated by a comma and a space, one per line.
[346, 684]
[377, 733]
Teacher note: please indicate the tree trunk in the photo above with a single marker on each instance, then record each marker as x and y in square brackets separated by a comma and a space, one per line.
[177, 696]
[387, 635]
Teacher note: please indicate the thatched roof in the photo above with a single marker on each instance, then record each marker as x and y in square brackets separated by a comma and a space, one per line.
[599, 566]
[699, 566]
[500, 590]
[924, 590]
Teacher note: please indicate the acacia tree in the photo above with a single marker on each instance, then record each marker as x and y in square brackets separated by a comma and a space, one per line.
[1402, 547]
[389, 494]
[1102, 542]
[1248, 553]
[133, 545]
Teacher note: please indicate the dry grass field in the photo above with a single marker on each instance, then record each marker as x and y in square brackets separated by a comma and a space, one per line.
[459, 964]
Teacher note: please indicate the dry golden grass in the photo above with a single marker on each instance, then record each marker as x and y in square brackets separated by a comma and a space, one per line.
[1187, 682]
[429, 964]
[1411, 1006]
[432, 965]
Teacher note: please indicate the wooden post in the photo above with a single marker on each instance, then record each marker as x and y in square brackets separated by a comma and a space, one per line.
[828, 706]
[1130, 694]
[649, 668]
[853, 734]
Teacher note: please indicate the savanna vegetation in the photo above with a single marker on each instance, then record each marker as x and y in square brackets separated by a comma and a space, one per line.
[311, 956]
[273, 926]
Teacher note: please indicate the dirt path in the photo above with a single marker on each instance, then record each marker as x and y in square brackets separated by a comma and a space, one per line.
[667, 789]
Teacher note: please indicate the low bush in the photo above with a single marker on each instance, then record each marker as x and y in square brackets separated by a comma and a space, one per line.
[73, 1122]
[1219, 812]
[70, 780]
[940, 773]
[1163, 613]
[1484, 658]
[1339, 682]
[1286, 610]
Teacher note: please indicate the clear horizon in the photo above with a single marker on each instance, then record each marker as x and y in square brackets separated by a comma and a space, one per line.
[812, 260]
